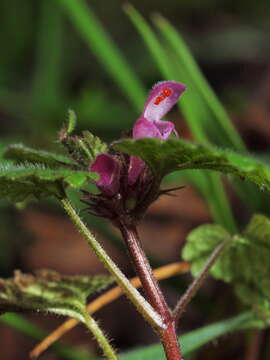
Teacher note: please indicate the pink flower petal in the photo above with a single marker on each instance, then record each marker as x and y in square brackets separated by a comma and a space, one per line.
[165, 128]
[159, 129]
[136, 166]
[162, 98]
[144, 128]
[108, 168]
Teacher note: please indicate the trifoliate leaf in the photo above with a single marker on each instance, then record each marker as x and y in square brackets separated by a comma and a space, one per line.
[20, 153]
[17, 182]
[170, 155]
[48, 291]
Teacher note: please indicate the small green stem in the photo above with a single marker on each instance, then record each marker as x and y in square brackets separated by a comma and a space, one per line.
[103, 342]
[198, 281]
[136, 298]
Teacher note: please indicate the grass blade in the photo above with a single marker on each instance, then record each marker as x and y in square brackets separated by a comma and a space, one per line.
[193, 340]
[100, 43]
[187, 61]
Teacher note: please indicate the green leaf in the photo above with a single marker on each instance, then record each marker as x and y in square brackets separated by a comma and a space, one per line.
[258, 230]
[254, 286]
[257, 253]
[95, 145]
[47, 291]
[83, 149]
[17, 182]
[164, 157]
[194, 339]
[20, 153]
[245, 261]
[246, 258]
[200, 244]
[253, 296]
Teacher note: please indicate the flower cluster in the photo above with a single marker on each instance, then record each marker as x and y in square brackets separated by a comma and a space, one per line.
[122, 177]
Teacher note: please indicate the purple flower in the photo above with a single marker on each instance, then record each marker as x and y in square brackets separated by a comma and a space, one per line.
[161, 99]
[108, 168]
[149, 125]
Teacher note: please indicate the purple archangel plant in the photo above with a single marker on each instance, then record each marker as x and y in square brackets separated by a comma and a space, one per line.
[149, 125]
[126, 184]
[127, 187]
[128, 176]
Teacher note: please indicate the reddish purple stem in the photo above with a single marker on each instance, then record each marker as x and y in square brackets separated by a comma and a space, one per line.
[150, 285]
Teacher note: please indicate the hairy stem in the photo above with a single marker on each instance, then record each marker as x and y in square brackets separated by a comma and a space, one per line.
[163, 272]
[103, 342]
[198, 281]
[144, 271]
[150, 285]
[140, 303]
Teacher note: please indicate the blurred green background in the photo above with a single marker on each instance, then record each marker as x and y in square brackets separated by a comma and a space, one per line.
[88, 56]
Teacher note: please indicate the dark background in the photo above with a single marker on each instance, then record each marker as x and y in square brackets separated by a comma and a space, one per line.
[46, 68]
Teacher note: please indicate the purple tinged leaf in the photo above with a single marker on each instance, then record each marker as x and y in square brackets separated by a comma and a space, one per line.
[108, 168]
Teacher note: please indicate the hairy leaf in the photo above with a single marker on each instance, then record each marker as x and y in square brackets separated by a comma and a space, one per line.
[48, 291]
[20, 153]
[94, 143]
[164, 157]
[71, 121]
[17, 182]
[254, 287]
[254, 296]
[245, 261]
[200, 244]
[82, 149]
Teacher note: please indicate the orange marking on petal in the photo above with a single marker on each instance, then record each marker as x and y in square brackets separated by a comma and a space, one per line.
[167, 92]
[159, 99]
